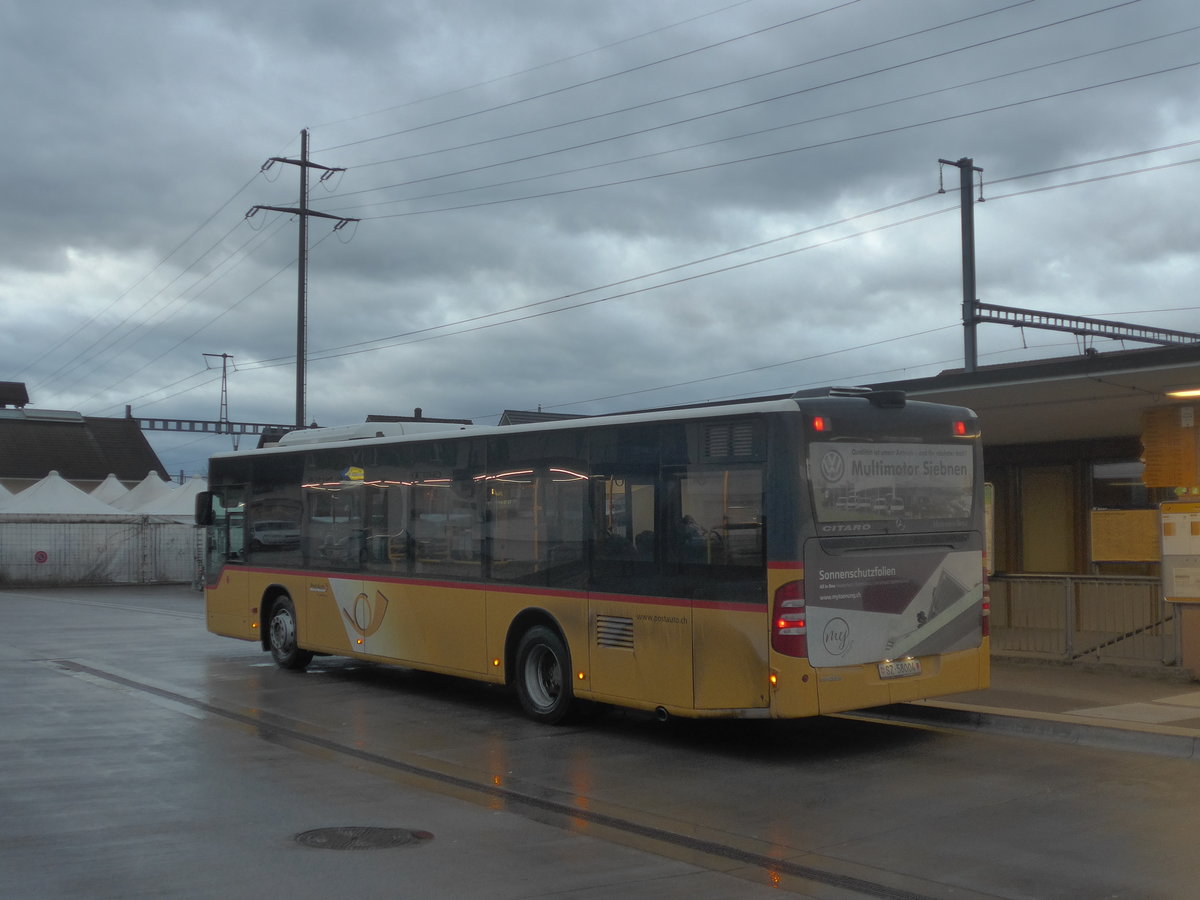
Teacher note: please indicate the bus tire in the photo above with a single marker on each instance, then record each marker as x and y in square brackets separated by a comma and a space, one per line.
[544, 676]
[281, 635]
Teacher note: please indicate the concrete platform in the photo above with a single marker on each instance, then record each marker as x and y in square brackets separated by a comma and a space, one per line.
[1147, 710]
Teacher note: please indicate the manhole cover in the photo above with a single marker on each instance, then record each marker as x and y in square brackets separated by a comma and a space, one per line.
[354, 837]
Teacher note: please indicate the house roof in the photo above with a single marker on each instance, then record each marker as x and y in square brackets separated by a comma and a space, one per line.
[1084, 397]
[81, 448]
[1094, 396]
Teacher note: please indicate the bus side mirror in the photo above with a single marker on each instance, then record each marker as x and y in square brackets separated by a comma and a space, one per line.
[204, 512]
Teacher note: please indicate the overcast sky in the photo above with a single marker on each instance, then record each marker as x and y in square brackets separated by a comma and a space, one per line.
[583, 207]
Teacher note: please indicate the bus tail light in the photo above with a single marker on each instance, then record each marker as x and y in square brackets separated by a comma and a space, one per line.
[789, 621]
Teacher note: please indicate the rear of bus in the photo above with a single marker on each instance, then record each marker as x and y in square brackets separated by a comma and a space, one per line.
[886, 601]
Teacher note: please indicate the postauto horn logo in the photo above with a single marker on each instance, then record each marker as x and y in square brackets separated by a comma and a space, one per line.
[833, 467]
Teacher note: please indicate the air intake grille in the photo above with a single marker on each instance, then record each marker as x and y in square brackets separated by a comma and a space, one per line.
[614, 631]
[734, 440]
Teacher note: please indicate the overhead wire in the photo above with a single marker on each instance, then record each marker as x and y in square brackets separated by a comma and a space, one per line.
[731, 162]
[686, 94]
[83, 355]
[425, 334]
[208, 324]
[72, 367]
[537, 68]
[596, 80]
[521, 319]
[832, 142]
[110, 338]
[52, 349]
[694, 146]
[77, 361]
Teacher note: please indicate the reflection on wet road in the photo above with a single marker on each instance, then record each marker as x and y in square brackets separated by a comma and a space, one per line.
[821, 807]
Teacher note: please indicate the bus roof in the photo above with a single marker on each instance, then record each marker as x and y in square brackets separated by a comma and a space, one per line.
[405, 432]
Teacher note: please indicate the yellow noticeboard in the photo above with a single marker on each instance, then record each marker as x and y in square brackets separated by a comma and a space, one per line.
[1126, 535]
[1169, 447]
[1181, 551]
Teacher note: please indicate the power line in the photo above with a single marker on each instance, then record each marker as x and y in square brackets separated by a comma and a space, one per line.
[425, 333]
[536, 68]
[48, 352]
[692, 93]
[397, 340]
[600, 78]
[790, 150]
[211, 277]
[144, 325]
[709, 143]
[630, 280]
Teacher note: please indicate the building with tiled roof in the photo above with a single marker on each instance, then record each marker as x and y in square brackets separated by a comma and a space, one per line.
[83, 449]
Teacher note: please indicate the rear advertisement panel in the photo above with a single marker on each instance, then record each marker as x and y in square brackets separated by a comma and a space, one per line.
[865, 482]
[892, 604]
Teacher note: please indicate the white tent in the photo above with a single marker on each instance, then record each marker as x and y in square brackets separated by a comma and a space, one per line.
[55, 534]
[55, 496]
[149, 489]
[179, 503]
[109, 489]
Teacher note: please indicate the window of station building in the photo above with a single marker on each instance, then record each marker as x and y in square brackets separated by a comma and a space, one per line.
[1117, 484]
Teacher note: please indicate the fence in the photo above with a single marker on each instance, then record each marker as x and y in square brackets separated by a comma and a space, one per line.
[1082, 617]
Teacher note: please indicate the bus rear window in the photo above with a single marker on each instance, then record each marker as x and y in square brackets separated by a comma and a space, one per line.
[859, 481]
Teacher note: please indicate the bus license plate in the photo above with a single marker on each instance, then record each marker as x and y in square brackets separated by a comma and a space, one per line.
[900, 668]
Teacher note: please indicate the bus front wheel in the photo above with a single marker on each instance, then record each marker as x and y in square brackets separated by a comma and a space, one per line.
[281, 633]
[544, 676]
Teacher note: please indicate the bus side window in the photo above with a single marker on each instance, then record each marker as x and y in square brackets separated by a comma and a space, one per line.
[389, 541]
[335, 536]
[720, 520]
[625, 519]
[443, 526]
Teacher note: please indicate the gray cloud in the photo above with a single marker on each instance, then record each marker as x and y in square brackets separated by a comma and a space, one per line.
[501, 156]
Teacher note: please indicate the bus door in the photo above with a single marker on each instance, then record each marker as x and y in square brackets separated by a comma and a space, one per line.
[224, 517]
[336, 611]
[641, 646]
[716, 558]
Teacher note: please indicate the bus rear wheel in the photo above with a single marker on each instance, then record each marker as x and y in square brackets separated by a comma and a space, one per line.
[544, 676]
[281, 634]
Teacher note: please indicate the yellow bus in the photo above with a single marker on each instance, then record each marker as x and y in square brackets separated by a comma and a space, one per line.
[776, 558]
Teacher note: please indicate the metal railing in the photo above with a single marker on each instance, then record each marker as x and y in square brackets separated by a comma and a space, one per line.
[1084, 617]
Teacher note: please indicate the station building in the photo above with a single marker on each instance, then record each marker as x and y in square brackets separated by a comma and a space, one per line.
[1080, 453]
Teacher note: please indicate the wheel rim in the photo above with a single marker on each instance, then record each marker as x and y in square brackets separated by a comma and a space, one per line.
[543, 677]
[283, 631]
